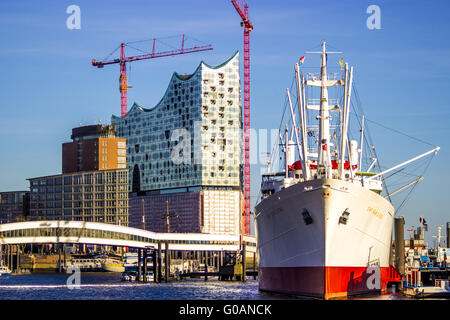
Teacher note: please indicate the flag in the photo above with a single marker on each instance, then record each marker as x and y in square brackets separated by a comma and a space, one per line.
[424, 224]
[301, 60]
[341, 62]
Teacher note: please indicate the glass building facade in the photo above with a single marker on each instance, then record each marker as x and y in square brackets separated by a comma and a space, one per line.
[192, 138]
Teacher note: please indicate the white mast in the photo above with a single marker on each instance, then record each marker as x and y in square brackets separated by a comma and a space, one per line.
[286, 143]
[296, 134]
[435, 150]
[346, 112]
[302, 111]
[324, 157]
[323, 146]
[361, 142]
[438, 256]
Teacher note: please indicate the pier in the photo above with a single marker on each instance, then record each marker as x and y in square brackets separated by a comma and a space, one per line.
[173, 255]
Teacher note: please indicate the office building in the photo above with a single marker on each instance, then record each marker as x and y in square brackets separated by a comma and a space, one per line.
[93, 196]
[14, 206]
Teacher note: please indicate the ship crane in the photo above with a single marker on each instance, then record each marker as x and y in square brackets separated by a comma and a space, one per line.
[242, 10]
[123, 81]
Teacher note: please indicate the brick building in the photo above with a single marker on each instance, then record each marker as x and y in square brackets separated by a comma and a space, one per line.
[94, 147]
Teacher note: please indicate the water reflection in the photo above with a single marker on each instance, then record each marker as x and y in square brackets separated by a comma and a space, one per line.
[98, 286]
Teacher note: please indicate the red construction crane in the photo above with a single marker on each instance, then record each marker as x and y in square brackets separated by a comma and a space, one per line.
[243, 12]
[123, 82]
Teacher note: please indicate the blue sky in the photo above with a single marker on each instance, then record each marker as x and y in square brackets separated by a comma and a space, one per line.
[402, 72]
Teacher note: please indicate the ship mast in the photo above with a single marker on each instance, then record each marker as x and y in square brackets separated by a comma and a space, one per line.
[324, 157]
[324, 168]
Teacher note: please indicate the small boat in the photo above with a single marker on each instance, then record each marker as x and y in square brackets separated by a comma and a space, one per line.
[112, 265]
[128, 276]
[4, 272]
[441, 289]
[133, 275]
[85, 264]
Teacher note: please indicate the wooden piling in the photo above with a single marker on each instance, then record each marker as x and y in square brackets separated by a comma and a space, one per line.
[17, 259]
[139, 264]
[8, 257]
[244, 263]
[254, 265]
[182, 262]
[65, 258]
[59, 260]
[159, 263]
[399, 225]
[206, 265]
[145, 266]
[167, 262]
[155, 266]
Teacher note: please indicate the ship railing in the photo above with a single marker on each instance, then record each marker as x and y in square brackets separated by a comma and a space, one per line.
[412, 278]
[315, 101]
[314, 76]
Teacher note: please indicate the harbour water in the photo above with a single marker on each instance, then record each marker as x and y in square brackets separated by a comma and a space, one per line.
[107, 286]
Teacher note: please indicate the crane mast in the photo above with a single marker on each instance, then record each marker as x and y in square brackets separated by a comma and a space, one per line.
[242, 10]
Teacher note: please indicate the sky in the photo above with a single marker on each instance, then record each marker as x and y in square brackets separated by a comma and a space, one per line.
[49, 86]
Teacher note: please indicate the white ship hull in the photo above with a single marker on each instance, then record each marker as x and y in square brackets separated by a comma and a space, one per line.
[325, 258]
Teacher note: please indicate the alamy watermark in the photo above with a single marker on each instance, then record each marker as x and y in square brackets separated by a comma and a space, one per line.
[374, 20]
[204, 145]
[74, 281]
[74, 20]
[373, 282]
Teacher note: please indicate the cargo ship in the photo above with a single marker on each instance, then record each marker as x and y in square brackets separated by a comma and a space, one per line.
[324, 229]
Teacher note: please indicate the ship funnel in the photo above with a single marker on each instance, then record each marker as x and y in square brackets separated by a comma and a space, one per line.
[290, 152]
